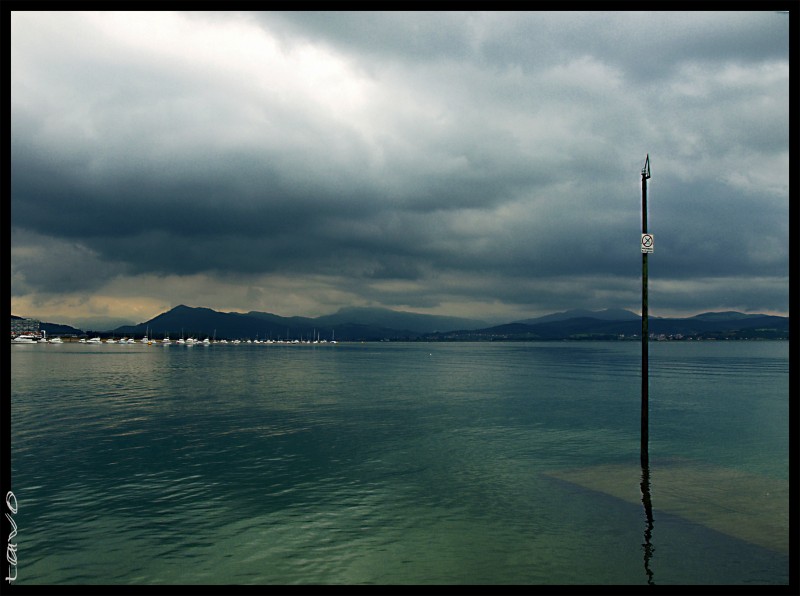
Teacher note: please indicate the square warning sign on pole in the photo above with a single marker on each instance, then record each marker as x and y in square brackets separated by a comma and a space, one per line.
[647, 243]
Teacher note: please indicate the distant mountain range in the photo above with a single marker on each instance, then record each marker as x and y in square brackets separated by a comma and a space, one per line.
[348, 324]
[372, 324]
[712, 325]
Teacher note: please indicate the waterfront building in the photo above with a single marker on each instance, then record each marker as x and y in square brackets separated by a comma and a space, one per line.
[20, 325]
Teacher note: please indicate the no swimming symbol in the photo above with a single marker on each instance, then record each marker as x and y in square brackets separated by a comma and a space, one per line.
[647, 243]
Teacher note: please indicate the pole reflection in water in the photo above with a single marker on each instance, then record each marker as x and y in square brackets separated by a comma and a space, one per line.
[648, 531]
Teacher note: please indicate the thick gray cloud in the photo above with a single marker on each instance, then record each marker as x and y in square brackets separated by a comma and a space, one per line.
[479, 164]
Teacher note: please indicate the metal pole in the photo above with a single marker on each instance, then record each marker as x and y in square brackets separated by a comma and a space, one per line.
[647, 247]
[645, 331]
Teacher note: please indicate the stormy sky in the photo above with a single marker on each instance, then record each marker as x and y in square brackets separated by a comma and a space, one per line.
[471, 164]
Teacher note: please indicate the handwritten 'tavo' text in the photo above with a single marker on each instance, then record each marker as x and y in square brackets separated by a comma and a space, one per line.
[11, 549]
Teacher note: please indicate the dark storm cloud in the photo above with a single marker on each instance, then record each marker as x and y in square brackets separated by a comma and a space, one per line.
[45, 262]
[420, 159]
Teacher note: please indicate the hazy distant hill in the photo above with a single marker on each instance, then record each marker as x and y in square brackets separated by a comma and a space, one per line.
[609, 314]
[728, 315]
[392, 319]
[56, 329]
[708, 325]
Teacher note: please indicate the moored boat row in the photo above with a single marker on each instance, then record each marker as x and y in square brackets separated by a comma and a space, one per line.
[191, 341]
[33, 338]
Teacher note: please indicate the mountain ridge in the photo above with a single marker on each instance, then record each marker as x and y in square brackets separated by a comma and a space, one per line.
[351, 323]
[608, 314]
[583, 328]
[374, 323]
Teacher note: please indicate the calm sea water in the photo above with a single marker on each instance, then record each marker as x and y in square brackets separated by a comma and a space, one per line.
[390, 463]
